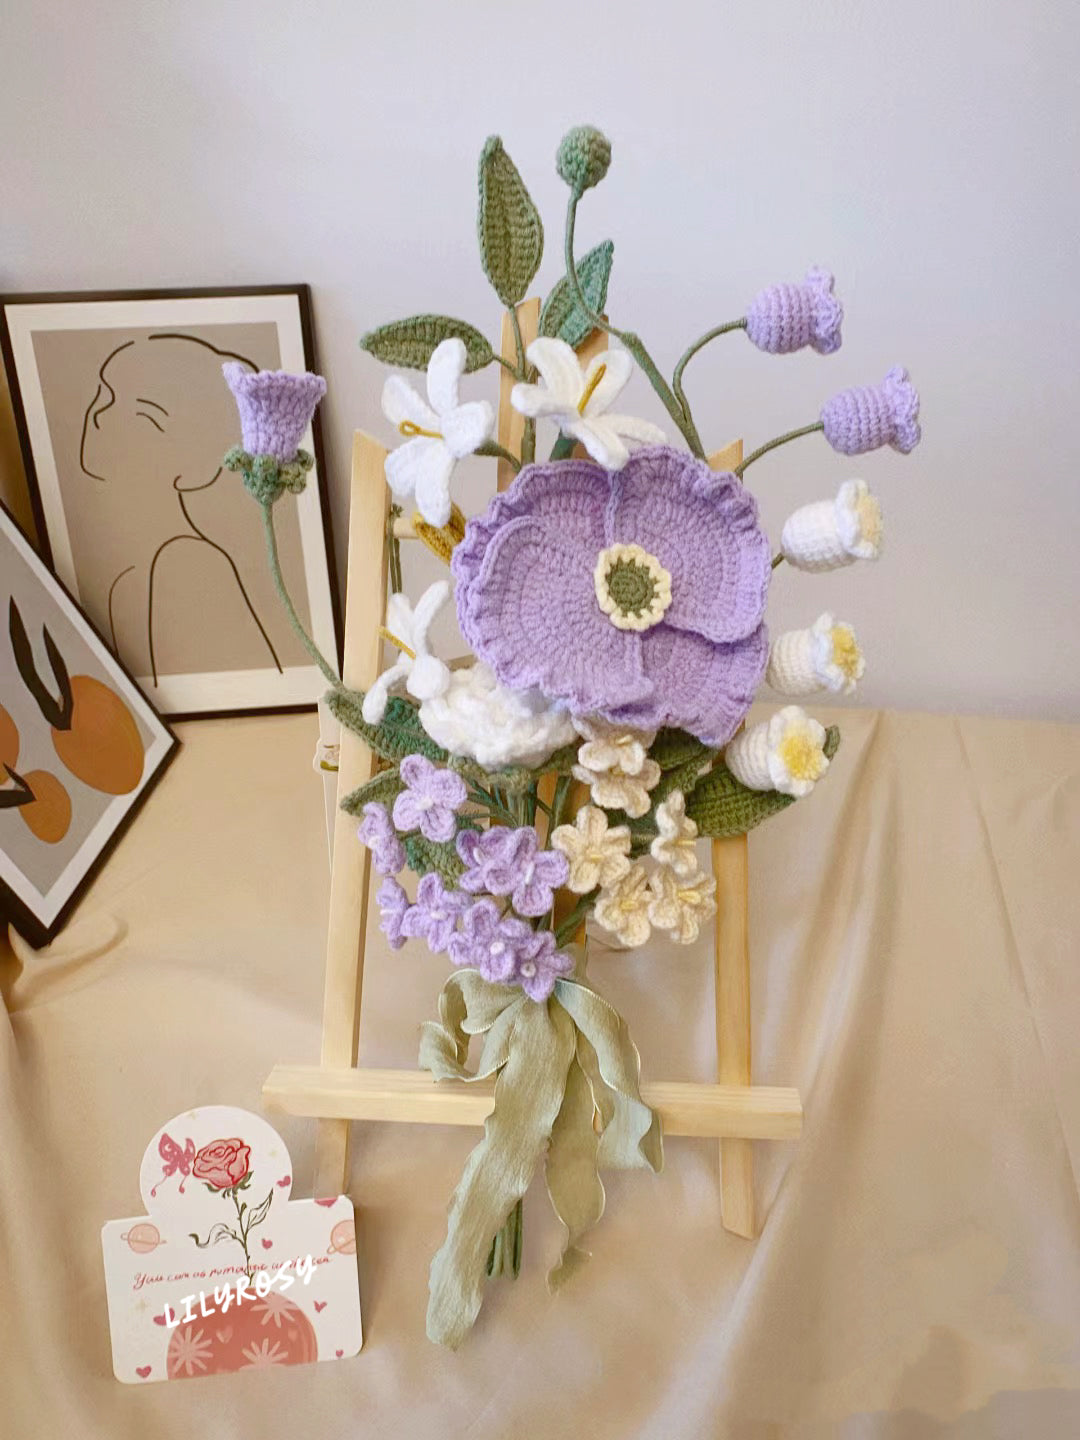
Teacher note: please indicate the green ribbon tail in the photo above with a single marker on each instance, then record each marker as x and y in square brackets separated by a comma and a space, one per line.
[469, 1005]
[529, 1093]
[573, 1180]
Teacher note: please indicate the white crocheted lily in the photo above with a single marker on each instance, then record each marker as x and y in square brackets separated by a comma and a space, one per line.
[578, 400]
[441, 432]
[425, 675]
[786, 753]
[615, 764]
[681, 904]
[623, 908]
[828, 534]
[675, 844]
[479, 717]
[824, 656]
[598, 854]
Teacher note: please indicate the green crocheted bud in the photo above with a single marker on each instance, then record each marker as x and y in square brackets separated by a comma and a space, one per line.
[266, 477]
[583, 158]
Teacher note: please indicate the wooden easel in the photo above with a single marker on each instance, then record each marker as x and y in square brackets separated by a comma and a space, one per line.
[337, 1091]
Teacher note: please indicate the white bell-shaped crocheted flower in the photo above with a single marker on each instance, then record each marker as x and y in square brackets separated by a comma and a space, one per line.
[615, 764]
[681, 904]
[578, 400]
[825, 656]
[786, 753]
[830, 533]
[597, 853]
[441, 432]
[424, 674]
[478, 716]
[675, 843]
[623, 908]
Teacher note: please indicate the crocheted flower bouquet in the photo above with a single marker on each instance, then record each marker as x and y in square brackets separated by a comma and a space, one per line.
[614, 600]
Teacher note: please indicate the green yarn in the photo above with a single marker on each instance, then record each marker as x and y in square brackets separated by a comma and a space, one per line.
[266, 477]
[721, 806]
[561, 316]
[583, 157]
[383, 788]
[411, 343]
[398, 734]
[631, 586]
[425, 855]
[508, 225]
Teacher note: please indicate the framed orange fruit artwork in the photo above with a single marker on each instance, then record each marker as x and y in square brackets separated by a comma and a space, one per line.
[80, 745]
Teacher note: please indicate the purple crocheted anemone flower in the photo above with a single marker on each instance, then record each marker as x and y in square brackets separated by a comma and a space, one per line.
[430, 801]
[434, 917]
[393, 908]
[275, 407]
[510, 862]
[377, 833]
[561, 585]
[869, 416]
[783, 318]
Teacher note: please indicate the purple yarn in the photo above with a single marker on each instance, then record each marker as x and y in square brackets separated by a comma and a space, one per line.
[434, 917]
[393, 909]
[430, 801]
[527, 603]
[540, 965]
[869, 416]
[510, 862]
[489, 943]
[377, 833]
[275, 407]
[783, 318]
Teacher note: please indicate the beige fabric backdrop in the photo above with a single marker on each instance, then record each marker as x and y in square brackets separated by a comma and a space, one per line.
[915, 934]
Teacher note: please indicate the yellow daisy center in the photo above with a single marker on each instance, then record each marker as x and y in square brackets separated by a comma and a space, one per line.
[845, 651]
[870, 522]
[802, 758]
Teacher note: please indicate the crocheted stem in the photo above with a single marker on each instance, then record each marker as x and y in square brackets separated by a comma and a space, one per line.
[777, 559]
[632, 341]
[689, 353]
[394, 550]
[505, 1257]
[772, 444]
[499, 452]
[290, 609]
[563, 448]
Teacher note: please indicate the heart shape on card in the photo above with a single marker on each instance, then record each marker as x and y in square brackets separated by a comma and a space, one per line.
[285, 1180]
[142, 1371]
[320, 1306]
[268, 1244]
[159, 1319]
[339, 1353]
[331, 1201]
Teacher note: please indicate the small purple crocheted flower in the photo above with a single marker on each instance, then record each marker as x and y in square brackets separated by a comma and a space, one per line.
[377, 833]
[510, 862]
[783, 318]
[489, 943]
[869, 416]
[540, 965]
[275, 407]
[431, 800]
[434, 917]
[393, 908]
[637, 595]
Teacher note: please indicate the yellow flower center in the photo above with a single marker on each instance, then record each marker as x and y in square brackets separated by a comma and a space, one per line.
[870, 523]
[407, 428]
[601, 371]
[802, 759]
[845, 651]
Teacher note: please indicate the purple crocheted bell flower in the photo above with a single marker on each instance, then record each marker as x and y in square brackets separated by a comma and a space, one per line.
[435, 915]
[869, 416]
[377, 833]
[275, 407]
[636, 595]
[430, 801]
[540, 965]
[783, 318]
[489, 943]
[393, 908]
[501, 861]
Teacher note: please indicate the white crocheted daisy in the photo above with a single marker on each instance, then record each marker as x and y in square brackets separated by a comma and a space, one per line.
[615, 764]
[785, 753]
[425, 676]
[830, 533]
[824, 656]
[681, 904]
[598, 854]
[675, 843]
[441, 432]
[578, 400]
[623, 908]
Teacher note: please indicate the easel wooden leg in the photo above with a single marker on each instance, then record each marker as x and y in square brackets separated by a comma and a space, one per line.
[733, 1023]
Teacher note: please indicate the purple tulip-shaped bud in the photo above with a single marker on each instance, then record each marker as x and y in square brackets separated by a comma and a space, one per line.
[275, 408]
[869, 416]
[783, 318]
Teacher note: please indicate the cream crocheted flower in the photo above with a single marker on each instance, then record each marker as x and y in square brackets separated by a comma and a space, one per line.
[424, 674]
[441, 432]
[577, 399]
[623, 908]
[681, 904]
[785, 753]
[675, 843]
[830, 533]
[598, 854]
[824, 656]
[479, 717]
[615, 764]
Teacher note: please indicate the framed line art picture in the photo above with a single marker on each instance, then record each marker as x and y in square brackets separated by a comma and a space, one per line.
[80, 746]
[124, 418]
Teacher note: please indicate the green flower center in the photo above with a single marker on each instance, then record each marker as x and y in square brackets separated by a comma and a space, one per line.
[632, 588]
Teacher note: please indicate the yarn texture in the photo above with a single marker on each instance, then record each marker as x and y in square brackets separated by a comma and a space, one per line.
[508, 225]
[869, 416]
[275, 407]
[784, 318]
[583, 157]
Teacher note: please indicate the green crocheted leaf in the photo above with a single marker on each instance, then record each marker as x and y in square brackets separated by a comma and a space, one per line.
[675, 748]
[398, 734]
[508, 225]
[426, 855]
[410, 343]
[561, 314]
[383, 788]
[722, 806]
[514, 779]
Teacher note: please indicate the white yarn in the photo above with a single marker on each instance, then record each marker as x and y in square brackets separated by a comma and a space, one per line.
[424, 674]
[828, 534]
[803, 662]
[785, 753]
[478, 717]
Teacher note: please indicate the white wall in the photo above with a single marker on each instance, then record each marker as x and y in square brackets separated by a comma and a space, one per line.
[927, 152]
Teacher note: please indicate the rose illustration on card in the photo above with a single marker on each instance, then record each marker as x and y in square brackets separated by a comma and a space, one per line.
[225, 1272]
